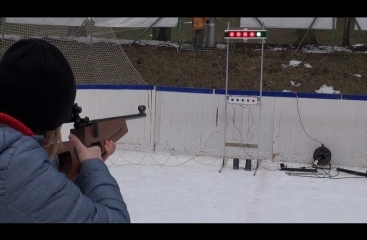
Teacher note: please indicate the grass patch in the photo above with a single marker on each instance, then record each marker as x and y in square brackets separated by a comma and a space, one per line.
[163, 66]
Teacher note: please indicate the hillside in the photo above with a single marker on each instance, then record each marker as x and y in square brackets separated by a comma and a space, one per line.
[345, 71]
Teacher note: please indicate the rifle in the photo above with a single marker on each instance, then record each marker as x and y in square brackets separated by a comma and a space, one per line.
[90, 133]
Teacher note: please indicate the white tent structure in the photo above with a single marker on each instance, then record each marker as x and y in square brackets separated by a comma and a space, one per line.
[98, 21]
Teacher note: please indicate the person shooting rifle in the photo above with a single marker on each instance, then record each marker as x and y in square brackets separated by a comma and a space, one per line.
[102, 132]
[38, 90]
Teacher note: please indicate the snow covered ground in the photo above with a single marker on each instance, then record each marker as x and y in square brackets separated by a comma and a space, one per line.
[166, 188]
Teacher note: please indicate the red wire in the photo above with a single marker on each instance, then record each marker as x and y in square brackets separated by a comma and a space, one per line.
[302, 123]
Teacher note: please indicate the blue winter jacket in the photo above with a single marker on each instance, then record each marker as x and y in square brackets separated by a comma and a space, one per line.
[32, 190]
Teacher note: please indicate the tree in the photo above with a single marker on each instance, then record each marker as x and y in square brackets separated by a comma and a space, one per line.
[310, 39]
[347, 23]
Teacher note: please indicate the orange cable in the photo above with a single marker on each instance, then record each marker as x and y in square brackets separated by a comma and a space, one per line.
[302, 123]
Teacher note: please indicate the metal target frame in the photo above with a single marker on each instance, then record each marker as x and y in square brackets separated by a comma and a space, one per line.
[226, 92]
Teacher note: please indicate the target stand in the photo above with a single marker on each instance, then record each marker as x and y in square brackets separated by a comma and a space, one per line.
[245, 35]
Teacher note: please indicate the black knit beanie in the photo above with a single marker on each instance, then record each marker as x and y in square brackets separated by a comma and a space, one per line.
[37, 84]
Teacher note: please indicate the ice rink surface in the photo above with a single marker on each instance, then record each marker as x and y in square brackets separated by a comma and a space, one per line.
[168, 188]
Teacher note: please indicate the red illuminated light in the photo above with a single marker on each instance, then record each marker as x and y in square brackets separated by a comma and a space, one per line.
[242, 34]
[259, 34]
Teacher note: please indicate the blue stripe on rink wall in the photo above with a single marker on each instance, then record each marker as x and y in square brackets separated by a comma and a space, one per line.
[223, 91]
[114, 86]
[184, 89]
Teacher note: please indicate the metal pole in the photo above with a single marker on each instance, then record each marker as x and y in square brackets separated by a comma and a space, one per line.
[306, 33]
[262, 65]
[225, 107]
[180, 35]
[260, 98]
[333, 40]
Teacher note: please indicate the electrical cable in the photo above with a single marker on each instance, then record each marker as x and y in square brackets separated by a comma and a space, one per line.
[114, 163]
[299, 116]
[325, 174]
[249, 126]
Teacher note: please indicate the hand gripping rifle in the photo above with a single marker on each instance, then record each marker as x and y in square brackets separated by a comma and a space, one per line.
[90, 133]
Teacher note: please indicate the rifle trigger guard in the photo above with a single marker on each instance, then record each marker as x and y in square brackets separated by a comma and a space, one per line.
[95, 128]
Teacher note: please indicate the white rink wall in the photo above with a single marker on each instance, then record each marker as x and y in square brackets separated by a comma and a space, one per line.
[285, 127]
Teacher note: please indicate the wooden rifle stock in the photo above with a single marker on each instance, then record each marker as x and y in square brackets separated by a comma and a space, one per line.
[91, 133]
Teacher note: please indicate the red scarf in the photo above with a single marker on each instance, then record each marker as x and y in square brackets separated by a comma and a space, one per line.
[15, 124]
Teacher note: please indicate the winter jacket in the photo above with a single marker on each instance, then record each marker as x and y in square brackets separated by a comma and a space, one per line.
[199, 22]
[32, 190]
